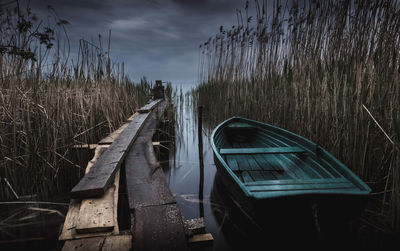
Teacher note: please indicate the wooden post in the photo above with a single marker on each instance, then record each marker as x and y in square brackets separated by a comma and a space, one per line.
[201, 162]
[229, 106]
[200, 126]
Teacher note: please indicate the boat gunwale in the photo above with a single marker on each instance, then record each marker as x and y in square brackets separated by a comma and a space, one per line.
[362, 188]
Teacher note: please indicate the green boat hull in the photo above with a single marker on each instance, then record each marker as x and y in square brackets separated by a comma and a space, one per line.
[266, 167]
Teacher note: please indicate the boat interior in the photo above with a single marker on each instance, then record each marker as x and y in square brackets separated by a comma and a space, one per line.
[263, 159]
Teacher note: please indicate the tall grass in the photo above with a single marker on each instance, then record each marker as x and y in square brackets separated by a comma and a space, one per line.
[309, 67]
[50, 101]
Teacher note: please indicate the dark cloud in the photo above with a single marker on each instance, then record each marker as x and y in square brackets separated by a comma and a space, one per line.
[155, 38]
[191, 2]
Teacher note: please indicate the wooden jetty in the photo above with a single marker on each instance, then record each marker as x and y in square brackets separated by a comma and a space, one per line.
[126, 159]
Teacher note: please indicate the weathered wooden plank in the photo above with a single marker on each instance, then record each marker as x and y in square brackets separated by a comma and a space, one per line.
[145, 180]
[147, 194]
[99, 214]
[133, 116]
[159, 228]
[101, 175]
[194, 226]
[113, 136]
[97, 153]
[201, 238]
[146, 183]
[69, 229]
[158, 222]
[149, 107]
[117, 242]
[89, 244]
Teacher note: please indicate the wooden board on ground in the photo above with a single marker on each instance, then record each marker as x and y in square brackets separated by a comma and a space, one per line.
[99, 214]
[69, 230]
[150, 106]
[194, 226]
[159, 228]
[146, 183]
[71, 220]
[201, 238]
[117, 242]
[158, 223]
[101, 175]
[89, 244]
[145, 179]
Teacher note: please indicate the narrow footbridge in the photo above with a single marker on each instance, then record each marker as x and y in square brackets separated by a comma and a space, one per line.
[124, 185]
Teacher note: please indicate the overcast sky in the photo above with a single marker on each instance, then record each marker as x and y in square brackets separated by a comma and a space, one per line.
[158, 39]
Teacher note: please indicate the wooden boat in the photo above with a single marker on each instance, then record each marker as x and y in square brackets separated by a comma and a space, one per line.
[266, 167]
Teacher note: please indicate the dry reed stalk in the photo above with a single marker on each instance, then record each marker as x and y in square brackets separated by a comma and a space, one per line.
[49, 103]
[309, 67]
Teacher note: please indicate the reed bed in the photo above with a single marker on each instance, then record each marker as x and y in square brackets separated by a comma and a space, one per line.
[50, 102]
[327, 70]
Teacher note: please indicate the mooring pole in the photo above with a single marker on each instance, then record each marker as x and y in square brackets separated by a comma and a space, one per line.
[201, 162]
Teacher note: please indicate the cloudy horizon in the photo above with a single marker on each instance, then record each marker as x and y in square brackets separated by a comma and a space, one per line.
[155, 39]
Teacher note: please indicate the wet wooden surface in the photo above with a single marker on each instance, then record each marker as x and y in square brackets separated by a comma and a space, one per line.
[158, 223]
[146, 185]
[159, 227]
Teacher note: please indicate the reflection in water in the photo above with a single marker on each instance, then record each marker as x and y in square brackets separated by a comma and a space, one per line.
[239, 229]
[30, 225]
[242, 231]
[198, 192]
[201, 161]
[191, 171]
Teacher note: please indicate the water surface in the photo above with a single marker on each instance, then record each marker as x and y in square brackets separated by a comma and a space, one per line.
[198, 189]
[200, 193]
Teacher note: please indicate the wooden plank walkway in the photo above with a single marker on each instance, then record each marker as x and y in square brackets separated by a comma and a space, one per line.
[100, 176]
[92, 224]
[92, 221]
[74, 227]
[158, 221]
[149, 107]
